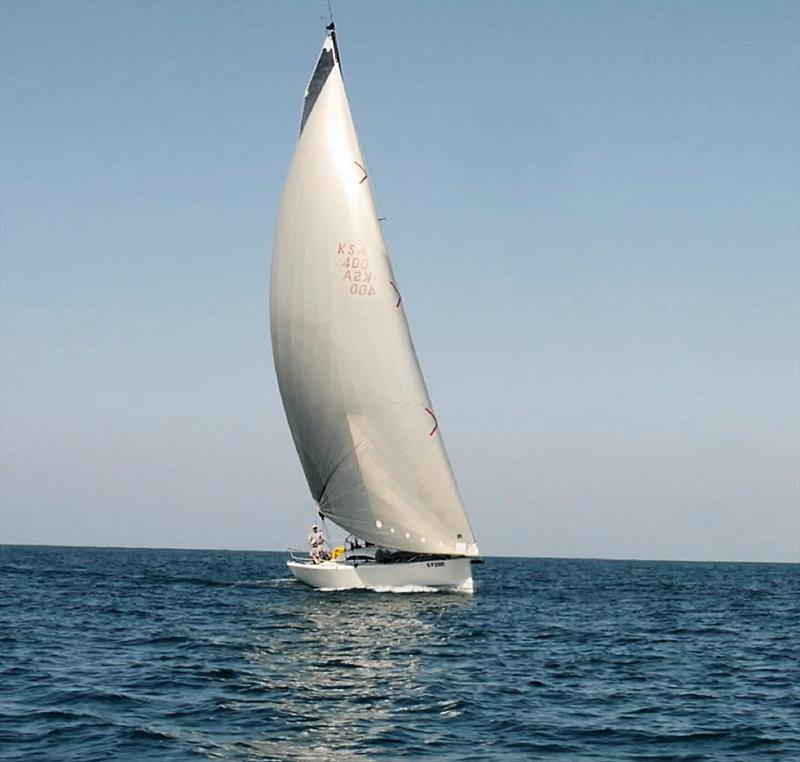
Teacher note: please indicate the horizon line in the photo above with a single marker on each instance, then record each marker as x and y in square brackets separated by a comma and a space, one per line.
[285, 550]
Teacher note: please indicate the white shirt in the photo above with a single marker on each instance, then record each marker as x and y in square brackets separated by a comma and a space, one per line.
[315, 539]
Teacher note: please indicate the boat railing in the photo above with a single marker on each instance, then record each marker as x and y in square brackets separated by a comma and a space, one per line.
[298, 554]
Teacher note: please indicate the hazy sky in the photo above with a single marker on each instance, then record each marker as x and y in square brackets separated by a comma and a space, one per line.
[593, 210]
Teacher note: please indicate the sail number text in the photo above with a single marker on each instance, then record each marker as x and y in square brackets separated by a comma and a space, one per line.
[353, 258]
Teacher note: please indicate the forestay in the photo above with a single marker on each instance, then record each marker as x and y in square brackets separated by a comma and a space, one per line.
[352, 388]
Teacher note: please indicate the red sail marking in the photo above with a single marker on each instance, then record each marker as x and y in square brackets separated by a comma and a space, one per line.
[435, 421]
[399, 298]
[363, 170]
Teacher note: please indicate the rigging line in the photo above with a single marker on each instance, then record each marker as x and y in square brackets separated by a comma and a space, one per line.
[330, 12]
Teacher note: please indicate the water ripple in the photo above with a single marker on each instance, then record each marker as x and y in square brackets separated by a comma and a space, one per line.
[129, 655]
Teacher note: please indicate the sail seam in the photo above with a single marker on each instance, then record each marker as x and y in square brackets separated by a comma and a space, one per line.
[344, 457]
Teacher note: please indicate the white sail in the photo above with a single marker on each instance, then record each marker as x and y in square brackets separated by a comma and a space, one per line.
[354, 396]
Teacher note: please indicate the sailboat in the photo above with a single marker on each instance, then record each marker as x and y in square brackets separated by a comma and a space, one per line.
[363, 424]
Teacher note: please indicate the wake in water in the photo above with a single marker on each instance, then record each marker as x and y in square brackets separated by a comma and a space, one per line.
[400, 589]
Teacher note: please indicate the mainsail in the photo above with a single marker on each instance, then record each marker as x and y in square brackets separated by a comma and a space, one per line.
[351, 385]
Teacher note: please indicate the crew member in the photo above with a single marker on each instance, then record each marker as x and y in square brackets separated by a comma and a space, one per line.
[317, 546]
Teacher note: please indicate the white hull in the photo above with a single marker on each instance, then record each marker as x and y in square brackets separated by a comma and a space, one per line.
[454, 574]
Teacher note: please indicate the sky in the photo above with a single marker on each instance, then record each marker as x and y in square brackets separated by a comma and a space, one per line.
[593, 210]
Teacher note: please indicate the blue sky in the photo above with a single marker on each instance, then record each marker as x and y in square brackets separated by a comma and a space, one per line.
[592, 209]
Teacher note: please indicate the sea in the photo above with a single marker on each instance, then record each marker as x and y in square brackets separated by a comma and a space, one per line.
[133, 654]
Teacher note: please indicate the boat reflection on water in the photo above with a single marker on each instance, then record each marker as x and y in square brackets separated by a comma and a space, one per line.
[339, 675]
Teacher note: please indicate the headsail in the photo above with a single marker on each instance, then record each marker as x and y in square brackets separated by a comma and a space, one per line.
[353, 392]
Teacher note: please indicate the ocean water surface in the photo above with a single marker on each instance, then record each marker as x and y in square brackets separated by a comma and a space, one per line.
[115, 654]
